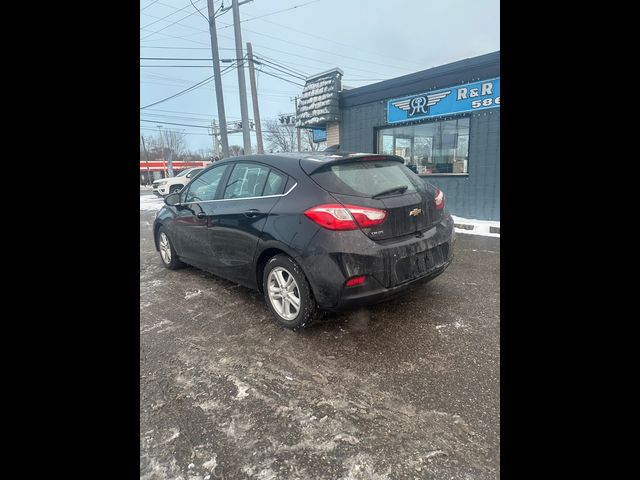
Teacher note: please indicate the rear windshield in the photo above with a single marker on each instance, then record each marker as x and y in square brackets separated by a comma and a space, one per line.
[365, 178]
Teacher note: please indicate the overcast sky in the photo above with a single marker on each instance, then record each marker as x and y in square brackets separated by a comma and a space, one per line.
[370, 40]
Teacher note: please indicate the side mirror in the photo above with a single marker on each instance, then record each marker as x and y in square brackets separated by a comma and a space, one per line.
[188, 175]
[172, 199]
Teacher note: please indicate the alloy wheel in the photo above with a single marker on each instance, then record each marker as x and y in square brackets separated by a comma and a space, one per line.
[284, 293]
[165, 248]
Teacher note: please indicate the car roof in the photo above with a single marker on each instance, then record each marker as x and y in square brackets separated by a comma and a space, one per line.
[309, 161]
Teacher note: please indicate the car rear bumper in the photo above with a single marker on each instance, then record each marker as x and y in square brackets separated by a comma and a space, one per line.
[373, 293]
[391, 267]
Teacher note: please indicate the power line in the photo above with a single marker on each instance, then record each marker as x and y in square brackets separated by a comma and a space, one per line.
[175, 66]
[186, 90]
[144, 8]
[183, 48]
[226, 25]
[176, 111]
[262, 92]
[279, 11]
[329, 40]
[170, 123]
[181, 118]
[203, 16]
[170, 25]
[303, 46]
[299, 77]
[207, 115]
[319, 49]
[189, 89]
[183, 38]
[276, 76]
[188, 59]
[165, 17]
[283, 68]
[279, 63]
[262, 57]
[312, 59]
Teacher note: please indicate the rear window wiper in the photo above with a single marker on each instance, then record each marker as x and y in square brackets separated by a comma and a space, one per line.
[399, 189]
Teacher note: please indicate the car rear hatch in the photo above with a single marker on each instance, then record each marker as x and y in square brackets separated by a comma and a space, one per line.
[369, 181]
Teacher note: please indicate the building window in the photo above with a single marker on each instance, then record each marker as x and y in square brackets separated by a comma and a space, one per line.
[440, 147]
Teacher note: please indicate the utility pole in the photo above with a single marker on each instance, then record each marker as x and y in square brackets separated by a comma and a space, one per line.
[164, 159]
[244, 112]
[254, 98]
[295, 99]
[218, 81]
[146, 154]
[214, 134]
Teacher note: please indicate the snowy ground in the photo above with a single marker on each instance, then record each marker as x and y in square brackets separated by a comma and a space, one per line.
[150, 202]
[406, 389]
[480, 227]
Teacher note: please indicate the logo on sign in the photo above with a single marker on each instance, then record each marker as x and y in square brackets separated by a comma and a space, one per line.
[467, 97]
[420, 104]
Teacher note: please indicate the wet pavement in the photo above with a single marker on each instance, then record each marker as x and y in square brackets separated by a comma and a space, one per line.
[407, 389]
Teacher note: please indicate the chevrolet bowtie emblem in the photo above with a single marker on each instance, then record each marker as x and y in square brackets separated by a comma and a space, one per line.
[415, 212]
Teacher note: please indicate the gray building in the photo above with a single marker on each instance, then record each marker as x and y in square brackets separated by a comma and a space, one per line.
[444, 121]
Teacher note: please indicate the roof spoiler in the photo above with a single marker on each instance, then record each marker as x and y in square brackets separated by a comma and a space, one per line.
[310, 164]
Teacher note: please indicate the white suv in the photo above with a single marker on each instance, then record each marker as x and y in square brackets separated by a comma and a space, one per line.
[165, 186]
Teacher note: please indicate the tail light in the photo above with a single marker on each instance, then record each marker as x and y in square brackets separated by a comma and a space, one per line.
[439, 199]
[353, 281]
[345, 217]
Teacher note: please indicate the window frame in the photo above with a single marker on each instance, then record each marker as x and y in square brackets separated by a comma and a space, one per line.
[379, 130]
[218, 197]
[269, 167]
[198, 175]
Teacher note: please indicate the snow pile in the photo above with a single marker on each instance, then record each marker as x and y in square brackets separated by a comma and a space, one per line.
[151, 202]
[478, 227]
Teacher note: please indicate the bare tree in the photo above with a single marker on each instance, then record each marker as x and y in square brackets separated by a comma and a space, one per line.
[235, 150]
[175, 142]
[278, 137]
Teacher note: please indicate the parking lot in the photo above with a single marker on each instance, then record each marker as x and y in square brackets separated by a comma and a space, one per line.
[401, 390]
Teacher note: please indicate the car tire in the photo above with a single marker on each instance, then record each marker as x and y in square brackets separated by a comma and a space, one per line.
[299, 290]
[168, 254]
[175, 188]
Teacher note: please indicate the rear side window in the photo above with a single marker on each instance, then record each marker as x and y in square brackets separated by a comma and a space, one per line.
[366, 178]
[246, 180]
[275, 183]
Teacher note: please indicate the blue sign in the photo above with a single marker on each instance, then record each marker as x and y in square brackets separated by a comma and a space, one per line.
[319, 135]
[462, 98]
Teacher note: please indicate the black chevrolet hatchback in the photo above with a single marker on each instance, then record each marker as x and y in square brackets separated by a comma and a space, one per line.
[311, 231]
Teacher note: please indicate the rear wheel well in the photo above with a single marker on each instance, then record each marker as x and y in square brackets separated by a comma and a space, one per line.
[155, 236]
[262, 261]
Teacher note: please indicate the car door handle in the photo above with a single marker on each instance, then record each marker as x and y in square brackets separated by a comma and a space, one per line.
[201, 215]
[252, 213]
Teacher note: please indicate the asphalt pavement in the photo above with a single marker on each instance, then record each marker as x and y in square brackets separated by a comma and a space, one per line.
[407, 389]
